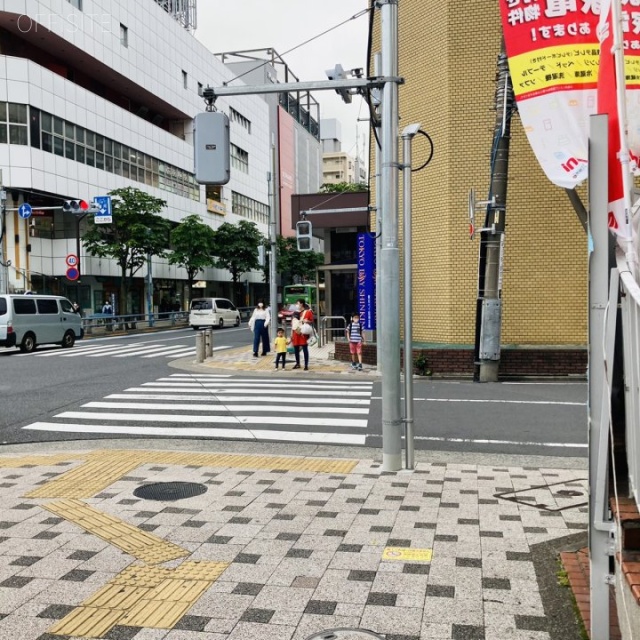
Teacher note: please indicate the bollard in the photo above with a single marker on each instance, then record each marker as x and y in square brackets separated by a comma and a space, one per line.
[208, 343]
[200, 346]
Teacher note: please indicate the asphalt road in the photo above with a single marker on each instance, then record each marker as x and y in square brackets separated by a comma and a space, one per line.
[544, 418]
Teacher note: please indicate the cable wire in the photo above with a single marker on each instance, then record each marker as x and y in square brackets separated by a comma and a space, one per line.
[355, 16]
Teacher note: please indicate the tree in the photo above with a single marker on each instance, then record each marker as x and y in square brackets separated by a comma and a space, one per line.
[136, 232]
[235, 248]
[343, 187]
[192, 243]
[296, 264]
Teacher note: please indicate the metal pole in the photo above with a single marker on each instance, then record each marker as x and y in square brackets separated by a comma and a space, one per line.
[491, 310]
[150, 290]
[390, 264]
[3, 196]
[598, 298]
[200, 346]
[407, 137]
[273, 256]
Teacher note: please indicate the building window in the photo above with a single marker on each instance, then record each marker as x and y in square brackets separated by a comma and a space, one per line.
[236, 116]
[124, 35]
[239, 158]
[76, 3]
[185, 79]
[248, 208]
[18, 124]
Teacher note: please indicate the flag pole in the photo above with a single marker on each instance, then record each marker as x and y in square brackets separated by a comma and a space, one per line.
[627, 180]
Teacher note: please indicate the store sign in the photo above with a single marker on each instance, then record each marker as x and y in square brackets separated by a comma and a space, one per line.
[366, 271]
[213, 206]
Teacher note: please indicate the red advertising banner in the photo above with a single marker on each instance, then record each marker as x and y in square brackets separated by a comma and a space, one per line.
[554, 58]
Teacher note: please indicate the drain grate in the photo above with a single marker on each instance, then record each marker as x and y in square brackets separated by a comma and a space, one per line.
[169, 491]
[549, 498]
[346, 634]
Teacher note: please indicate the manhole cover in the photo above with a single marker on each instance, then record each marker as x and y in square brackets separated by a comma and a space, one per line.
[169, 491]
[540, 496]
[345, 634]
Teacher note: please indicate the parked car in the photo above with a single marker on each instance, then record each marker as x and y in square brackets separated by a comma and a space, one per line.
[213, 312]
[27, 321]
[286, 313]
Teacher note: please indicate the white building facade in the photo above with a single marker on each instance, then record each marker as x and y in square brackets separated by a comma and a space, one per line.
[100, 94]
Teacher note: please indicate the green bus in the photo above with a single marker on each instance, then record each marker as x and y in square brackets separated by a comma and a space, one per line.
[293, 292]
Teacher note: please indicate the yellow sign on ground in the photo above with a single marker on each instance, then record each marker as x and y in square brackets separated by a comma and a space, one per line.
[404, 554]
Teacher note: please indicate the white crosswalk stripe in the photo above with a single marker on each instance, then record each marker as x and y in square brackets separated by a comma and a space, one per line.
[130, 350]
[227, 407]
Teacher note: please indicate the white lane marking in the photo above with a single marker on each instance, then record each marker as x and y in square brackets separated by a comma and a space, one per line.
[231, 434]
[189, 352]
[151, 349]
[213, 397]
[543, 402]
[283, 391]
[82, 351]
[184, 377]
[565, 445]
[161, 417]
[548, 384]
[157, 406]
[253, 384]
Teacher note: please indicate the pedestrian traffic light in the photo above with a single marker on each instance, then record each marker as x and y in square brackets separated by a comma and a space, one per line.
[75, 206]
[261, 255]
[303, 235]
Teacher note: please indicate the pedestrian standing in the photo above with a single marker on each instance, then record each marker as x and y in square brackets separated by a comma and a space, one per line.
[299, 338]
[280, 344]
[107, 310]
[356, 340]
[259, 324]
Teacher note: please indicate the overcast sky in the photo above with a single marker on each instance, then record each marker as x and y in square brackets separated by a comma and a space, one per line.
[283, 24]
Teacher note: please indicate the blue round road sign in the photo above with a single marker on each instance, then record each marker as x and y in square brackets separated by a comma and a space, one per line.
[72, 273]
[24, 211]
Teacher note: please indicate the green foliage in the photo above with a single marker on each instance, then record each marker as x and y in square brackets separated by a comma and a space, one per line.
[235, 247]
[296, 264]
[421, 365]
[192, 246]
[136, 231]
[344, 187]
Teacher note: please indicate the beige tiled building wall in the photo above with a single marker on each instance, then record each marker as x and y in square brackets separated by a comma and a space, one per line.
[448, 53]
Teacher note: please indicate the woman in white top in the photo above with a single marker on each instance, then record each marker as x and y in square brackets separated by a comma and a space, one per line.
[259, 324]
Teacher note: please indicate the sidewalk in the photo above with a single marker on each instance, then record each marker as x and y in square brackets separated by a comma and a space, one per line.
[320, 362]
[282, 542]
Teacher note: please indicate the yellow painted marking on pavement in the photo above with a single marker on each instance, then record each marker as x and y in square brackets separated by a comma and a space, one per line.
[38, 461]
[140, 544]
[404, 554]
[141, 596]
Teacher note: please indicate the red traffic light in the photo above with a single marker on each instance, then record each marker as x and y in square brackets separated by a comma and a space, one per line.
[75, 205]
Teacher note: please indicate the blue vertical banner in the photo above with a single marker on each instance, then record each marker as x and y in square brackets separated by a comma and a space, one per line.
[367, 280]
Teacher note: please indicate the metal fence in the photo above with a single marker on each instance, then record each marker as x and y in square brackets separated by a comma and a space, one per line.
[103, 323]
[631, 338]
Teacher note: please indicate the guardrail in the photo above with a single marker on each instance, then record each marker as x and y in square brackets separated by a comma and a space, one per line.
[324, 329]
[631, 339]
[102, 323]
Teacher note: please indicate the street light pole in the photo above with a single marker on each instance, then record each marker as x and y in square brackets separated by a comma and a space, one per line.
[390, 263]
[3, 197]
[150, 290]
[273, 255]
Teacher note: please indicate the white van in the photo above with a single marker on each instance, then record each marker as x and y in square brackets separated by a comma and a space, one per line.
[29, 320]
[213, 312]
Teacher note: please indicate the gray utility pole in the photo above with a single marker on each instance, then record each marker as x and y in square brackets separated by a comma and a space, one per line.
[388, 210]
[377, 67]
[273, 254]
[408, 133]
[390, 254]
[489, 307]
[3, 276]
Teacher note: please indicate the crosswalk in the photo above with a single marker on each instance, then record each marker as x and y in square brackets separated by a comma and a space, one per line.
[227, 407]
[144, 350]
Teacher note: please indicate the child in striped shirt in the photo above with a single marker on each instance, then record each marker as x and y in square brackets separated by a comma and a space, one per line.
[356, 340]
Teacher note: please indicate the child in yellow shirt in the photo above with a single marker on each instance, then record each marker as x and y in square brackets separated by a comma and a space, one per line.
[280, 344]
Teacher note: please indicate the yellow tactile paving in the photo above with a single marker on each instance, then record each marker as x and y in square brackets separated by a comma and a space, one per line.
[38, 461]
[85, 481]
[140, 544]
[141, 596]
